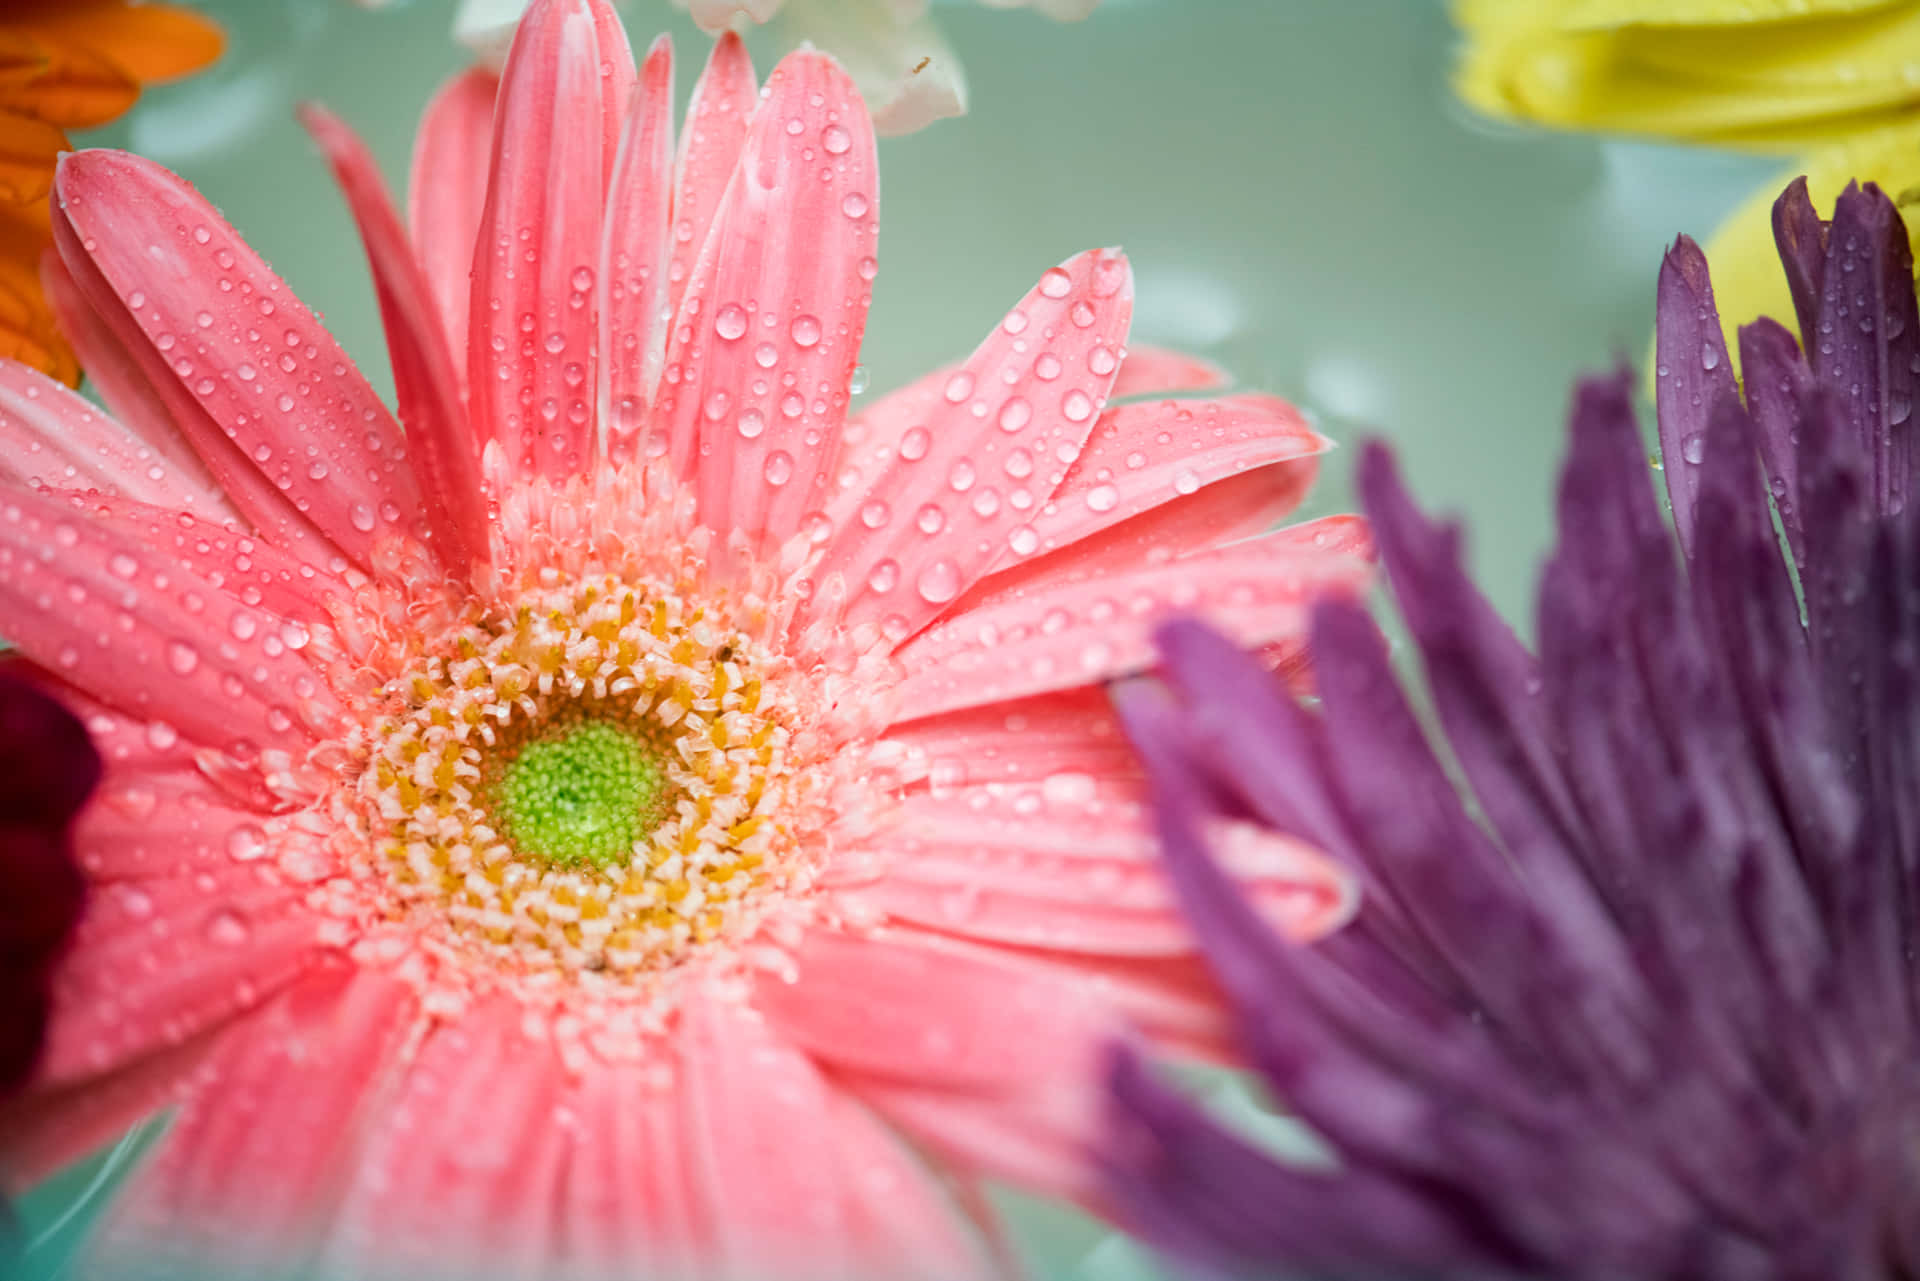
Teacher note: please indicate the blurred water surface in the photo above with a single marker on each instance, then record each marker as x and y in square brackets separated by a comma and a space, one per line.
[1301, 200]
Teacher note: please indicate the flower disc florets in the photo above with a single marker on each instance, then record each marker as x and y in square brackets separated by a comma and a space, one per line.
[601, 764]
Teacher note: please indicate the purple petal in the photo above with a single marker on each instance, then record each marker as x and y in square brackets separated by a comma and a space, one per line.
[1868, 339]
[1692, 373]
[1801, 238]
[1777, 383]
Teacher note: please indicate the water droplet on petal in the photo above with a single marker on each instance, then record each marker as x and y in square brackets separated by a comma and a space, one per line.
[938, 583]
[779, 468]
[914, 445]
[805, 331]
[730, 322]
[1055, 283]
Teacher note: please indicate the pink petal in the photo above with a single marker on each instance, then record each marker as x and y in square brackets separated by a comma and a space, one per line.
[1073, 730]
[910, 1006]
[628, 1196]
[48, 1129]
[911, 535]
[142, 375]
[1145, 456]
[1084, 632]
[252, 357]
[1070, 864]
[1175, 1002]
[618, 80]
[150, 824]
[765, 1157]
[51, 436]
[531, 363]
[251, 572]
[1226, 511]
[1040, 1141]
[1155, 371]
[116, 375]
[157, 961]
[717, 118]
[446, 193]
[633, 256]
[467, 1160]
[247, 1174]
[901, 1223]
[977, 1051]
[769, 330]
[444, 455]
[133, 626]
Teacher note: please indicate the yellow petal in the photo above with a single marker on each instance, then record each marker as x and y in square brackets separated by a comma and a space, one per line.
[1747, 280]
[1594, 14]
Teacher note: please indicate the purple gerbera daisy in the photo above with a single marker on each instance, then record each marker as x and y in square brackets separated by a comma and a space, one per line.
[47, 769]
[1633, 992]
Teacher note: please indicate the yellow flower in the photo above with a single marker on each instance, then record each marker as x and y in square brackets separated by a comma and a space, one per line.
[69, 64]
[1834, 83]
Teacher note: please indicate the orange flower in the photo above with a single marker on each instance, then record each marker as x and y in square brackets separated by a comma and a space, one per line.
[69, 64]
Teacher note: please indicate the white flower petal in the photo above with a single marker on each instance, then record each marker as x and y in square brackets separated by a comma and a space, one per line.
[907, 73]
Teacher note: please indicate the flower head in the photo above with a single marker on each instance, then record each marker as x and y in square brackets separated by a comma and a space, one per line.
[553, 837]
[69, 64]
[1643, 1005]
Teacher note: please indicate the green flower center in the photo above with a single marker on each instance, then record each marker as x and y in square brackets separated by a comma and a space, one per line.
[582, 796]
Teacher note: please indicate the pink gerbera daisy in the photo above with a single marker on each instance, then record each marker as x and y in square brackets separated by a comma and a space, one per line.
[641, 820]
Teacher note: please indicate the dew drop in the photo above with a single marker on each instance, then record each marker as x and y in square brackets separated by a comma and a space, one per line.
[1103, 498]
[1185, 481]
[876, 514]
[246, 843]
[938, 583]
[1709, 357]
[1055, 283]
[226, 928]
[930, 520]
[805, 331]
[883, 577]
[1077, 406]
[914, 445]
[750, 424]
[854, 205]
[182, 658]
[779, 468]
[1015, 414]
[836, 140]
[766, 355]
[959, 387]
[730, 322]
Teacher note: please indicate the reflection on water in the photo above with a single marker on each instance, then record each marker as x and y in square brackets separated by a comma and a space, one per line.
[1301, 198]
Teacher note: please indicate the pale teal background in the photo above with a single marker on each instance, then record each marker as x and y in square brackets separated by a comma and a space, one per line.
[1301, 199]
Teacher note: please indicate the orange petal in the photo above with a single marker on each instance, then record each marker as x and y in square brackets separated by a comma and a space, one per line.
[150, 42]
[22, 58]
[76, 88]
[27, 331]
[28, 149]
